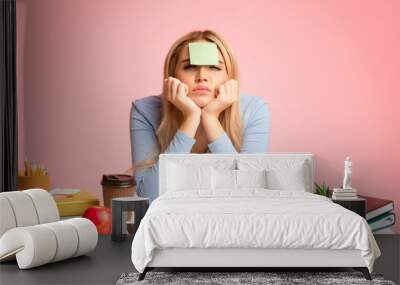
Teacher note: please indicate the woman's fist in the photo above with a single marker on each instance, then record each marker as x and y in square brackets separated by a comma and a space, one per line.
[226, 95]
[176, 92]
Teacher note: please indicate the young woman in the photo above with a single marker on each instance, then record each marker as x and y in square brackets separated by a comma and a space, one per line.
[200, 110]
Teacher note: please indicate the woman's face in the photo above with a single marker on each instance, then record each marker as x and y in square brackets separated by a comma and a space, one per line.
[206, 76]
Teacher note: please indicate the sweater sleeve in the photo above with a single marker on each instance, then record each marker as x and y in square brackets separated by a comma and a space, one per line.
[255, 134]
[222, 144]
[145, 146]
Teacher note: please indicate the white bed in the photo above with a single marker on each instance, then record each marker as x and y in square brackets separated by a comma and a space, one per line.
[209, 226]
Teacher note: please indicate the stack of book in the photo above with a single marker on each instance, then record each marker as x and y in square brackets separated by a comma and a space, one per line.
[344, 194]
[380, 215]
[73, 202]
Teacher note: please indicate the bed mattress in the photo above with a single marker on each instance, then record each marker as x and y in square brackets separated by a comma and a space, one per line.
[250, 219]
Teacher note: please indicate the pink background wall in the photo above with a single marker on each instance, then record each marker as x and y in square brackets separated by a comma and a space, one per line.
[329, 70]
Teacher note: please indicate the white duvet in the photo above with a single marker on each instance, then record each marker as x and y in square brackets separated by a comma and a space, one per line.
[251, 218]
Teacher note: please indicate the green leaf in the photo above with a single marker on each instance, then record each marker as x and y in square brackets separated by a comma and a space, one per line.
[323, 191]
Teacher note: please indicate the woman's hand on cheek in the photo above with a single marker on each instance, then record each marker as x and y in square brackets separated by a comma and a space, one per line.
[227, 94]
[176, 92]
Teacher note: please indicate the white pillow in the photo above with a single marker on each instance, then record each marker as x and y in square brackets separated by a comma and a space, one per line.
[188, 177]
[223, 179]
[293, 178]
[229, 179]
[251, 178]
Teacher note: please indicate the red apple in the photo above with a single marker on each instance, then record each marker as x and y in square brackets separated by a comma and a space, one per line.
[101, 217]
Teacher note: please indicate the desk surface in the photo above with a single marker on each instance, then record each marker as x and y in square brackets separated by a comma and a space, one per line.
[104, 265]
[110, 259]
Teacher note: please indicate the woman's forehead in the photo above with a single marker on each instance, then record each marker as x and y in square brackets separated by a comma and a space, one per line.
[185, 54]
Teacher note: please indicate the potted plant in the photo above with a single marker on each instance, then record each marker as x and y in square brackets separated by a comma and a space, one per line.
[323, 191]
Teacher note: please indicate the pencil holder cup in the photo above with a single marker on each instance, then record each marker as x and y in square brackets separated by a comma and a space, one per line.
[38, 181]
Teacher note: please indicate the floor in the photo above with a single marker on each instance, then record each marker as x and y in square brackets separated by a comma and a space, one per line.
[102, 266]
[111, 259]
[388, 263]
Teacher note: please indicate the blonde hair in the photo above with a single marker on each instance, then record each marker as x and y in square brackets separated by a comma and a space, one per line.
[172, 117]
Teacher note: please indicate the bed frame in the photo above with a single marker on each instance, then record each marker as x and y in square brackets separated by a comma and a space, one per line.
[243, 259]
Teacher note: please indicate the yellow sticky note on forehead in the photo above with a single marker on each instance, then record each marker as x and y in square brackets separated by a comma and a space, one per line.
[203, 53]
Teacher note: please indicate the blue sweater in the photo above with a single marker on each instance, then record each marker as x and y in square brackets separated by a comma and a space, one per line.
[146, 114]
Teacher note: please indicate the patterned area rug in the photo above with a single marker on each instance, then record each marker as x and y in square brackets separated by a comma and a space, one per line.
[225, 278]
